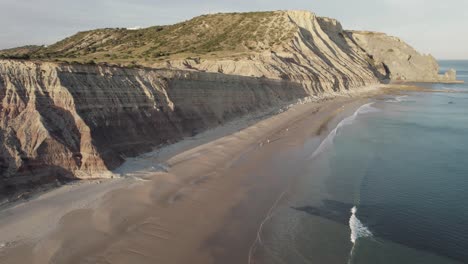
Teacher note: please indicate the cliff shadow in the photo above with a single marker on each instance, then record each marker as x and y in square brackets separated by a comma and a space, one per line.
[338, 36]
[201, 101]
[369, 59]
[31, 180]
[308, 41]
[60, 124]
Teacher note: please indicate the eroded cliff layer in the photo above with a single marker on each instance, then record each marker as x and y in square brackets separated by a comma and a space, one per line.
[295, 45]
[81, 121]
[397, 60]
[315, 52]
[71, 120]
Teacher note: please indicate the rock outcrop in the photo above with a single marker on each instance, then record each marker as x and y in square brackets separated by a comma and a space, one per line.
[319, 47]
[69, 120]
[78, 121]
[398, 61]
[319, 55]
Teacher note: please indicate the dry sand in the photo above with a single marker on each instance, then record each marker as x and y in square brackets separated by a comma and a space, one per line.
[202, 200]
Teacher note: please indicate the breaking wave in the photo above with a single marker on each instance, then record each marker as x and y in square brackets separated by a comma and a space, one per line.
[358, 229]
[367, 108]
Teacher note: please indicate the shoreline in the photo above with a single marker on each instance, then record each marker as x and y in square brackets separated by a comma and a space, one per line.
[175, 190]
[164, 152]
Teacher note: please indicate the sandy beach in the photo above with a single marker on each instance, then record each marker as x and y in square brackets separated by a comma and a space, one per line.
[258, 132]
[202, 200]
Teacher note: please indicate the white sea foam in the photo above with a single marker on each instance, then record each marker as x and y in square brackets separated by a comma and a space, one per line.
[397, 99]
[367, 108]
[358, 229]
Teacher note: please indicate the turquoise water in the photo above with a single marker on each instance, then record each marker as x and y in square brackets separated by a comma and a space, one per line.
[389, 185]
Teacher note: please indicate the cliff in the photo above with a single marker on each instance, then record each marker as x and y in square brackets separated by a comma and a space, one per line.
[78, 121]
[397, 60]
[290, 45]
[317, 54]
[279, 45]
[67, 120]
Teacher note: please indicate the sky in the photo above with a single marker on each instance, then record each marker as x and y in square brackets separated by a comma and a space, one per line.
[438, 27]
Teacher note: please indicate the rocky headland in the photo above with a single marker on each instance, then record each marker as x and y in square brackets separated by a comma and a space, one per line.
[77, 109]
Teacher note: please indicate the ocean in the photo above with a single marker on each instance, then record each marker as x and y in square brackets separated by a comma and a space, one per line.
[388, 185]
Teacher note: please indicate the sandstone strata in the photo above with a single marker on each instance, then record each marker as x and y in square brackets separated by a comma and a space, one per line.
[398, 61]
[320, 50]
[319, 56]
[81, 121]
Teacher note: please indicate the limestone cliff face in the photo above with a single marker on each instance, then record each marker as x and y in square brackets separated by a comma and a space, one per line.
[397, 60]
[81, 121]
[320, 50]
[319, 56]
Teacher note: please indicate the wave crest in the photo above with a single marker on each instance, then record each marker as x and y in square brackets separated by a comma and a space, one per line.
[358, 229]
[367, 108]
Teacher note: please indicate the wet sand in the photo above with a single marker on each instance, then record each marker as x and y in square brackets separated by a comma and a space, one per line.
[204, 205]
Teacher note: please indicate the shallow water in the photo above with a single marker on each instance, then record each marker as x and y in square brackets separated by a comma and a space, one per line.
[388, 185]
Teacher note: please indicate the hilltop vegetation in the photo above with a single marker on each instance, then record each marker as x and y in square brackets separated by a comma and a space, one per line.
[218, 35]
[23, 52]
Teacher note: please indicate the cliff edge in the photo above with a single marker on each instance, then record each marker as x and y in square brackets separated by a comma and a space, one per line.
[397, 60]
[61, 122]
[78, 108]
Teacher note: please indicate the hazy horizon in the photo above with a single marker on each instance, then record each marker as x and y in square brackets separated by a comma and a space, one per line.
[428, 25]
